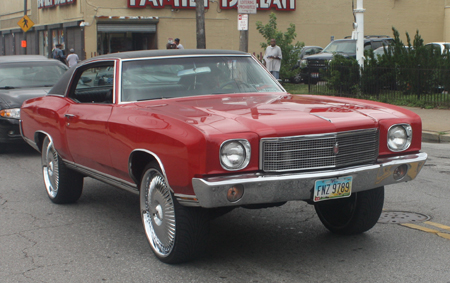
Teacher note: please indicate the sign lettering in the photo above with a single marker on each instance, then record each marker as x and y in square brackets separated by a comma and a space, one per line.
[280, 5]
[158, 4]
[45, 4]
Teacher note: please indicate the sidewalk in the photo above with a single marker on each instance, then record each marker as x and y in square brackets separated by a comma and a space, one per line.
[435, 124]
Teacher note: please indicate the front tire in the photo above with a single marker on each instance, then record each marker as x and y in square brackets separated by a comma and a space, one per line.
[62, 184]
[353, 215]
[175, 233]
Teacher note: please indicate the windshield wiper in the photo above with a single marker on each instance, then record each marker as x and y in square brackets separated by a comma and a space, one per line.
[8, 87]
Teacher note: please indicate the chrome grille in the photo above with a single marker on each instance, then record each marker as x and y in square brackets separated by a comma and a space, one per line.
[318, 151]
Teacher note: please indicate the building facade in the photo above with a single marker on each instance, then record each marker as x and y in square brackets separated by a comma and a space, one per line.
[94, 27]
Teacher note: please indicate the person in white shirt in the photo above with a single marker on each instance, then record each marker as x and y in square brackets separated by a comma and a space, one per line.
[177, 42]
[72, 58]
[273, 57]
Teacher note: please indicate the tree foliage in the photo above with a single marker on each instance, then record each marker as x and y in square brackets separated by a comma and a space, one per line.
[284, 41]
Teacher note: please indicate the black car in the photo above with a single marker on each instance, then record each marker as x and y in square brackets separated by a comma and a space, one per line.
[304, 52]
[310, 66]
[23, 77]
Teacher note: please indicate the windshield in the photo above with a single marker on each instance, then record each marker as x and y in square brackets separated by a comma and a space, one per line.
[30, 74]
[190, 76]
[347, 46]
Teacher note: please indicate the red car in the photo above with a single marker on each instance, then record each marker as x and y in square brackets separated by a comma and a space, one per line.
[199, 132]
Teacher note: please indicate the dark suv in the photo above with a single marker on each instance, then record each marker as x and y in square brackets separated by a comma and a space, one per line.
[310, 66]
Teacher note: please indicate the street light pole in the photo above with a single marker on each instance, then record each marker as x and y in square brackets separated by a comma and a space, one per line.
[359, 15]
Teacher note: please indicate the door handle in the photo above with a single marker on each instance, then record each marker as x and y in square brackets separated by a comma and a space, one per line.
[69, 116]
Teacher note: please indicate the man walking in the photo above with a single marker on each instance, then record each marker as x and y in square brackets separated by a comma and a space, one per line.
[273, 58]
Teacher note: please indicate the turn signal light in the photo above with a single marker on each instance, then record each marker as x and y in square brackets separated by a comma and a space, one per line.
[400, 172]
[235, 193]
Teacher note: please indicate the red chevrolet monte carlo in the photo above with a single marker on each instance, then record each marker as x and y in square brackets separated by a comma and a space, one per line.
[199, 132]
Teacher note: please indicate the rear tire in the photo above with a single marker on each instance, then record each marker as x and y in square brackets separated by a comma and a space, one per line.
[353, 215]
[63, 185]
[175, 233]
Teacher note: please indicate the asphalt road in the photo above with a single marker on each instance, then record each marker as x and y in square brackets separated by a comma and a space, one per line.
[100, 238]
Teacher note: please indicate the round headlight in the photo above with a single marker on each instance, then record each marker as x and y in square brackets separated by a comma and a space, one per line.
[399, 137]
[235, 154]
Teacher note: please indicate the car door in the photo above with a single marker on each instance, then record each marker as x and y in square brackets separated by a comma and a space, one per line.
[86, 120]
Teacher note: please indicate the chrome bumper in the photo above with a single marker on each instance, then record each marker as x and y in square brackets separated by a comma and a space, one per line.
[260, 188]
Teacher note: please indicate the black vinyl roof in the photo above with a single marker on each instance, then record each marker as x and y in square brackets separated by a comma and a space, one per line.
[61, 85]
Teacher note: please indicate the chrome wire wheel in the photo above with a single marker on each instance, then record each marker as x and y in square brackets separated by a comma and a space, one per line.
[50, 168]
[62, 184]
[158, 213]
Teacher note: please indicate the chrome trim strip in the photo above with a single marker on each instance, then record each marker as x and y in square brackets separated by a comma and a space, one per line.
[321, 117]
[187, 200]
[271, 188]
[114, 181]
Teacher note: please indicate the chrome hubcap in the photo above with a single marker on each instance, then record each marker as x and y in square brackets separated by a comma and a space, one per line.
[158, 214]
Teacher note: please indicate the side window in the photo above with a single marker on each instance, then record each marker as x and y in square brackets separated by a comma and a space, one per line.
[94, 84]
[376, 44]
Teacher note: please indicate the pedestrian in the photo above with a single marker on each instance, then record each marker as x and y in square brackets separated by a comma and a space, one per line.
[72, 58]
[273, 57]
[171, 45]
[179, 45]
[58, 54]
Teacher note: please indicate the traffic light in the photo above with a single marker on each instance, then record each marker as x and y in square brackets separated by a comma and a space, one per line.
[24, 43]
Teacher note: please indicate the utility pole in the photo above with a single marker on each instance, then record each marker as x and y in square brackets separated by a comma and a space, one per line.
[25, 8]
[243, 40]
[359, 28]
[200, 20]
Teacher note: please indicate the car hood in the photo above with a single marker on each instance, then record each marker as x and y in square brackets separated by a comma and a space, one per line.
[272, 115]
[328, 56]
[13, 98]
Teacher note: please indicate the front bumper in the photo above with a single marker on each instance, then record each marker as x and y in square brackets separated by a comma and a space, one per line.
[9, 131]
[261, 188]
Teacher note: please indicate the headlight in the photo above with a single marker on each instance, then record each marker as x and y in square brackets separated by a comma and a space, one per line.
[235, 154]
[399, 137]
[10, 113]
[303, 63]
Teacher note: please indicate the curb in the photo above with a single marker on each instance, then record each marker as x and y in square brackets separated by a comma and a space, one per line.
[435, 137]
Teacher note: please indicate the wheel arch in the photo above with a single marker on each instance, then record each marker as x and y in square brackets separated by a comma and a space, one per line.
[39, 138]
[137, 162]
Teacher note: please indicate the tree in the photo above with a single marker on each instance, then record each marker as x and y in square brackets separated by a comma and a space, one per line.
[284, 40]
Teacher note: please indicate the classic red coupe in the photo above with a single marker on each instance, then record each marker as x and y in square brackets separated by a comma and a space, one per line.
[199, 132]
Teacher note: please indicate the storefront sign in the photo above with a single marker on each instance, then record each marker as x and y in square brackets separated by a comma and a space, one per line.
[280, 5]
[43, 4]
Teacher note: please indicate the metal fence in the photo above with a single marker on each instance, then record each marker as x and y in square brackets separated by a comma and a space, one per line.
[418, 86]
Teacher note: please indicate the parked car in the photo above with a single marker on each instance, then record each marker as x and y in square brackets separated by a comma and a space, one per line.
[305, 51]
[380, 51]
[23, 77]
[441, 47]
[197, 133]
[311, 66]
